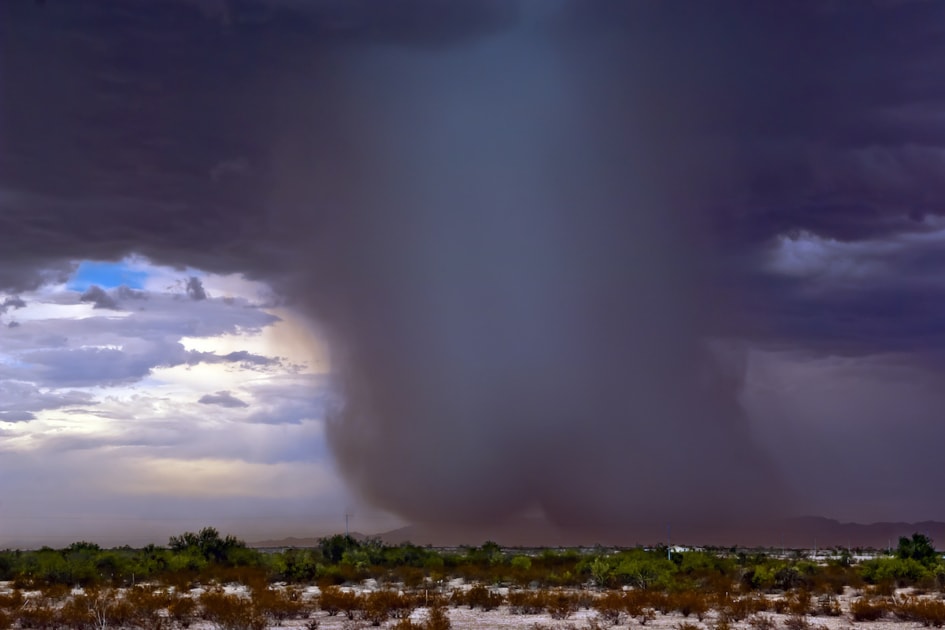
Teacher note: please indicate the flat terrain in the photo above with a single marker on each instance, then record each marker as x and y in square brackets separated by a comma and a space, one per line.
[463, 617]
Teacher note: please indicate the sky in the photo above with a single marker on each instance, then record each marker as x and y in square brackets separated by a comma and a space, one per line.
[264, 263]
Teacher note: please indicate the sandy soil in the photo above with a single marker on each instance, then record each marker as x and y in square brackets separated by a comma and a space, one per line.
[464, 618]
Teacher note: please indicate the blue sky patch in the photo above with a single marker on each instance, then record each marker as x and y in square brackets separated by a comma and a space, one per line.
[106, 275]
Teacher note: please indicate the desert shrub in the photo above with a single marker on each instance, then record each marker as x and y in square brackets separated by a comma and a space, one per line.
[689, 603]
[799, 602]
[758, 604]
[147, 598]
[761, 622]
[797, 622]
[379, 606]
[866, 609]
[561, 605]
[75, 614]
[181, 610]
[828, 605]
[429, 598]
[722, 622]
[38, 614]
[646, 615]
[410, 577]
[334, 600]
[279, 604]
[328, 575]
[252, 577]
[108, 608]
[437, 619]
[928, 612]
[6, 621]
[584, 599]
[637, 600]
[658, 600]
[834, 577]
[477, 597]
[11, 600]
[739, 608]
[147, 606]
[55, 592]
[886, 588]
[24, 582]
[230, 612]
[180, 581]
[526, 602]
[610, 608]
[687, 625]
[375, 609]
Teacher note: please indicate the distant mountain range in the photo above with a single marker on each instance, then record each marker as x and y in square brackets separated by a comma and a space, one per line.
[796, 533]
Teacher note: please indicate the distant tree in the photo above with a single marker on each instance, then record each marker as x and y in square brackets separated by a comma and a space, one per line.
[919, 548]
[208, 543]
[333, 548]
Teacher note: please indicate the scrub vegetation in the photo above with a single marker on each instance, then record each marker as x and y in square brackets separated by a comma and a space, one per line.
[219, 582]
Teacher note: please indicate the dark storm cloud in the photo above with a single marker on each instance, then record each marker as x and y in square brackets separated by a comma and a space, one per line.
[223, 399]
[516, 222]
[126, 293]
[99, 298]
[11, 303]
[195, 290]
[111, 300]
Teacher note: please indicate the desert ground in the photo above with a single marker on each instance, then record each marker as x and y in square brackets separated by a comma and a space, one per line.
[463, 617]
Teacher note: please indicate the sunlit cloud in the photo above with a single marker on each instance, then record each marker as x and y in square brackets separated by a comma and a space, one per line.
[144, 368]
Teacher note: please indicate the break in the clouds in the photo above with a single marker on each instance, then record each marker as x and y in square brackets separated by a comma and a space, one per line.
[547, 244]
[130, 376]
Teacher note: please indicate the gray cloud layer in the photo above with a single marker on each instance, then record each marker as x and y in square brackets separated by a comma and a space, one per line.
[223, 399]
[517, 223]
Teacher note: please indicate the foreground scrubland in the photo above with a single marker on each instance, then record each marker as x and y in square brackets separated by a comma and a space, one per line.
[202, 581]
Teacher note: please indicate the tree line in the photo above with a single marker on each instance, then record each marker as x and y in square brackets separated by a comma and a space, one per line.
[199, 557]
